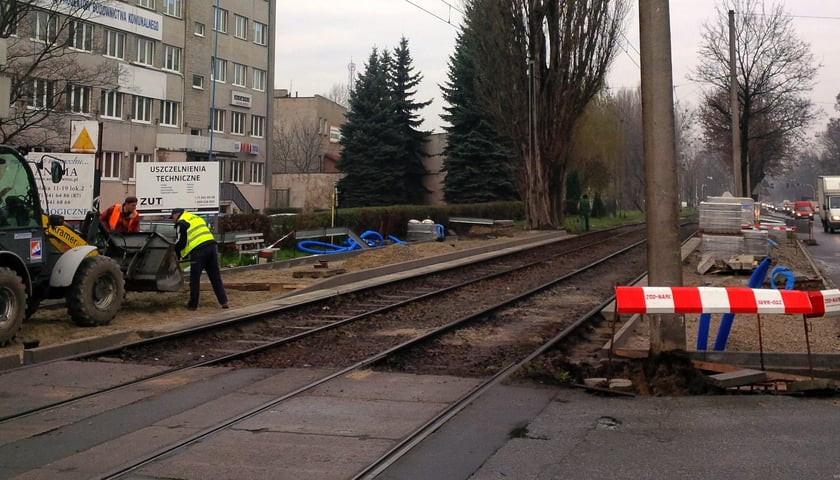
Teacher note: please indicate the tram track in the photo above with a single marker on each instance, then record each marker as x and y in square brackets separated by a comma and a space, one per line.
[342, 326]
[248, 335]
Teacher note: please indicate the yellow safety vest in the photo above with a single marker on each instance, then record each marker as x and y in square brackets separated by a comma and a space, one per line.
[197, 233]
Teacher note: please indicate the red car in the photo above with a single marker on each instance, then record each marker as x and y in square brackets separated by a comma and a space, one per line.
[803, 210]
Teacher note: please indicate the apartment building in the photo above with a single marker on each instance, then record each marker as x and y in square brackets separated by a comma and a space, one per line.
[191, 82]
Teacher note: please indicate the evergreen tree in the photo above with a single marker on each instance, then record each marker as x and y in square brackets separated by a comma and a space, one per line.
[412, 142]
[477, 164]
[369, 138]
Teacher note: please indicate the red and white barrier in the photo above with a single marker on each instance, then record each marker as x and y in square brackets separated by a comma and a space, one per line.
[825, 303]
[712, 300]
[780, 228]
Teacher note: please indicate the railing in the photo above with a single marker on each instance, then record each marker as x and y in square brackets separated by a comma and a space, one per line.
[230, 193]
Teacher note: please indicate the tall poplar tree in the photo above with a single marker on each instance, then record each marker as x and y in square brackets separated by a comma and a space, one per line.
[478, 165]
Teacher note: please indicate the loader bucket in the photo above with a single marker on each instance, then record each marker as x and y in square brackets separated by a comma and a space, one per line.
[147, 260]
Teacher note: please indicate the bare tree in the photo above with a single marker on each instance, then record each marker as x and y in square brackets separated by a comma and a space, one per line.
[297, 147]
[340, 94]
[44, 72]
[540, 63]
[774, 71]
[631, 184]
[830, 141]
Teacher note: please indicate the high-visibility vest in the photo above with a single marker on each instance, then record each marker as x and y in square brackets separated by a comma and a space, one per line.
[115, 217]
[197, 233]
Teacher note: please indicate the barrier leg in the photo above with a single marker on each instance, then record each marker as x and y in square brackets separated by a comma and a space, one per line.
[760, 342]
[808, 346]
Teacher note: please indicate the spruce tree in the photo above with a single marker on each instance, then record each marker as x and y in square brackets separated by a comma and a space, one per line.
[478, 165]
[369, 138]
[411, 146]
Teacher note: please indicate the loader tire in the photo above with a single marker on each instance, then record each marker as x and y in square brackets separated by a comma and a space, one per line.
[97, 292]
[12, 304]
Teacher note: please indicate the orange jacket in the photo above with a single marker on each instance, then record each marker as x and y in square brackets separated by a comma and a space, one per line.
[118, 222]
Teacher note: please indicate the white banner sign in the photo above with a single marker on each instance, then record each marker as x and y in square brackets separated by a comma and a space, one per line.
[163, 186]
[73, 196]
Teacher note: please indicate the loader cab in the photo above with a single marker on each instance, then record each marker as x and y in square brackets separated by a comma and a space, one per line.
[21, 231]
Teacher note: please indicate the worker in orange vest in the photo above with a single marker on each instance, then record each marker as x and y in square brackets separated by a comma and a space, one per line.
[122, 217]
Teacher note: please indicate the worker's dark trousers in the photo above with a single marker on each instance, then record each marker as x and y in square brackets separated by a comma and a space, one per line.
[204, 257]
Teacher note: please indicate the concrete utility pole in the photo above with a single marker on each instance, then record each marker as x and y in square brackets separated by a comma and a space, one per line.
[667, 332]
[736, 117]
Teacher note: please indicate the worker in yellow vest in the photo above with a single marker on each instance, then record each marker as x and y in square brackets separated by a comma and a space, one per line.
[195, 241]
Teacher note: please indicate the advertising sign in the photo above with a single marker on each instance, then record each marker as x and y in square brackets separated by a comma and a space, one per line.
[163, 186]
[73, 196]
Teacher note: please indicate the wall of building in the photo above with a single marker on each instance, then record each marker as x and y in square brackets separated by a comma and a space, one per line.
[127, 139]
[306, 191]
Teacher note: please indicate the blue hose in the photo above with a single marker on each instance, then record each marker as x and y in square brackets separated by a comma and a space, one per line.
[370, 237]
[780, 270]
[756, 281]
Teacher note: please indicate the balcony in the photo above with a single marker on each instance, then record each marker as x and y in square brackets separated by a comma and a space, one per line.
[195, 143]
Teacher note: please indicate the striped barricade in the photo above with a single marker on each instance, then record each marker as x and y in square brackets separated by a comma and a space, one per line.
[825, 303]
[712, 300]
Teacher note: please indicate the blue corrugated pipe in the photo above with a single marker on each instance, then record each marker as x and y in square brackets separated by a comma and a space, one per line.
[756, 281]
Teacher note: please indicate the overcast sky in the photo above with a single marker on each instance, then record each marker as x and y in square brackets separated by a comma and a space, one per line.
[318, 39]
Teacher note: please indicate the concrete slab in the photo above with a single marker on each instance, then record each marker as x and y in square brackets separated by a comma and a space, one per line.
[317, 415]
[269, 455]
[737, 378]
[31, 387]
[372, 385]
[10, 361]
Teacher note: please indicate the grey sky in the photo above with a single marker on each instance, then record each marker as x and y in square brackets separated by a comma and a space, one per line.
[316, 40]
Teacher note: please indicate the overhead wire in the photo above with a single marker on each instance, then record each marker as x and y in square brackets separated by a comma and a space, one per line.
[447, 21]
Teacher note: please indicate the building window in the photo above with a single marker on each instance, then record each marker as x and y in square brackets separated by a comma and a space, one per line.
[240, 73]
[195, 131]
[198, 82]
[171, 58]
[220, 19]
[134, 159]
[172, 7]
[115, 44]
[146, 3]
[44, 27]
[257, 173]
[260, 33]
[81, 35]
[111, 165]
[141, 109]
[198, 29]
[110, 104]
[240, 27]
[43, 92]
[145, 51]
[258, 79]
[218, 120]
[237, 123]
[219, 71]
[257, 126]
[78, 98]
[169, 112]
[237, 171]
